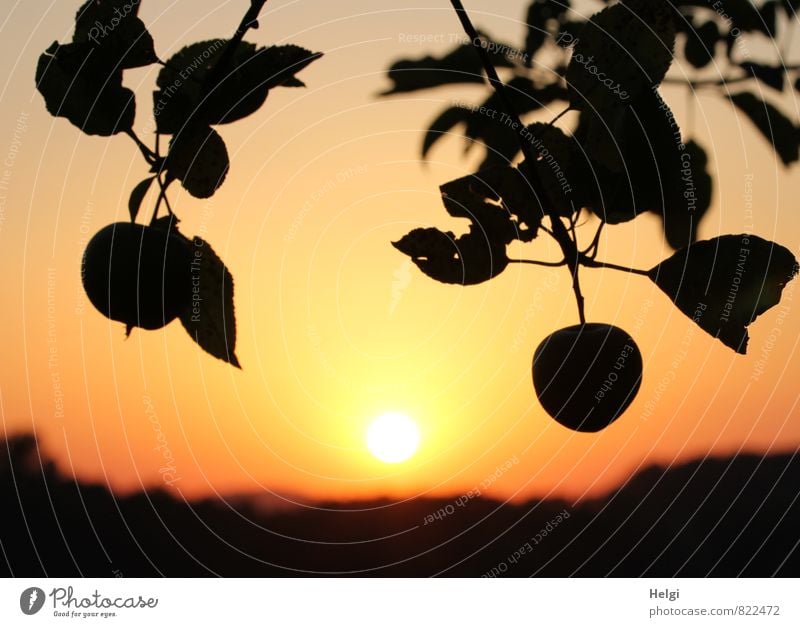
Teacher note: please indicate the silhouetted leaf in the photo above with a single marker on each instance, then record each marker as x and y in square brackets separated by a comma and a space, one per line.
[490, 124]
[635, 157]
[137, 196]
[770, 76]
[192, 87]
[681, 219]
[776, 127]
[467, 260]
[77, 87]
[725, 283]
[743, 15]
[210, 320]
[447, 119]
[489, 199]
[460, 65]
[700, 44]
[199, 160]
[542, 14]
[114, 30]
[516, 194]
[622, 51]
[558, 168]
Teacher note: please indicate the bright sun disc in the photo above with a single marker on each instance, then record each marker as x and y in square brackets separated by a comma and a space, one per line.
[392, 438]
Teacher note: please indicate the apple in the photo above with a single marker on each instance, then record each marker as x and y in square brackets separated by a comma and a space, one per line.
[587, 375]
[136, 274]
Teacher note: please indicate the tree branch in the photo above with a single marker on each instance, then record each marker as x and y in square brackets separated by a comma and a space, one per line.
[559, 231]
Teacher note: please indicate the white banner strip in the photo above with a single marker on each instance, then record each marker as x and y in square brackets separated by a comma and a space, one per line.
[399, 602]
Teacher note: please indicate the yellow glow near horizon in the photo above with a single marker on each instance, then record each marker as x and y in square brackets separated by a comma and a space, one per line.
[393, 437]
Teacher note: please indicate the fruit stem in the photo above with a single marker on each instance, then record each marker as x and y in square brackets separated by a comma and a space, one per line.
[559, 231]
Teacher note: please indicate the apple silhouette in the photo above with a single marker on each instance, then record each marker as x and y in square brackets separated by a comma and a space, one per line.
[136, 274]
[586, 375]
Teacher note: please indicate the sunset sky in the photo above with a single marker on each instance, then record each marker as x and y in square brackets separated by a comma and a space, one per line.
[336, 327]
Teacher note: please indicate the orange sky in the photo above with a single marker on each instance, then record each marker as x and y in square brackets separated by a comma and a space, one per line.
[335, 326]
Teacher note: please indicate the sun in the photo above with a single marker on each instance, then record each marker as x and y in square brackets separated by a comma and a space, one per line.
[393, 437]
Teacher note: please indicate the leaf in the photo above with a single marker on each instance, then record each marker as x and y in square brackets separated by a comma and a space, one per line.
[682, 217]
[137, 196]
[772, 124]
[461, 65]
[447, 119]
[117, 34]
[488, 122]
[467, 260]
[725, 283]
[194, 88]
[701, 44]
[771, 76]
[557, 167]
[541, 15]
[210, 320]
[199, 160]
[76, 86]
[489, 199]
[635, 159]
[622, 51]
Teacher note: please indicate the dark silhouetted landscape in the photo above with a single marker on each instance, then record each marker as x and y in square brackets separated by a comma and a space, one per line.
[718, 517]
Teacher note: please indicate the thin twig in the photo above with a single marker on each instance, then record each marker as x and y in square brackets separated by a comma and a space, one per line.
[721, 82]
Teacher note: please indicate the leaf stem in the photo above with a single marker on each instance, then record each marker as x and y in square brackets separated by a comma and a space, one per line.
[593, 263]
[559, 231]
[148, 154]
[162, 196]
[536, 262]
[592, 249]
[559, 116]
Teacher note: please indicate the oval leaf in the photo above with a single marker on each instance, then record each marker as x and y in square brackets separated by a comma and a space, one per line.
[117, 34]
[460, 65]
[772, 124]
[76, 86]
[725, 283]
[137, 196]
[683, 216]
[466, 260]
[199, 160]
[194, 88]
[449, 118]
[622, 51]
[210, 320]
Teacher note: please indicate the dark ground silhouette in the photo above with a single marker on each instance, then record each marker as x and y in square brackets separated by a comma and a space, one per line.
[719, 517]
